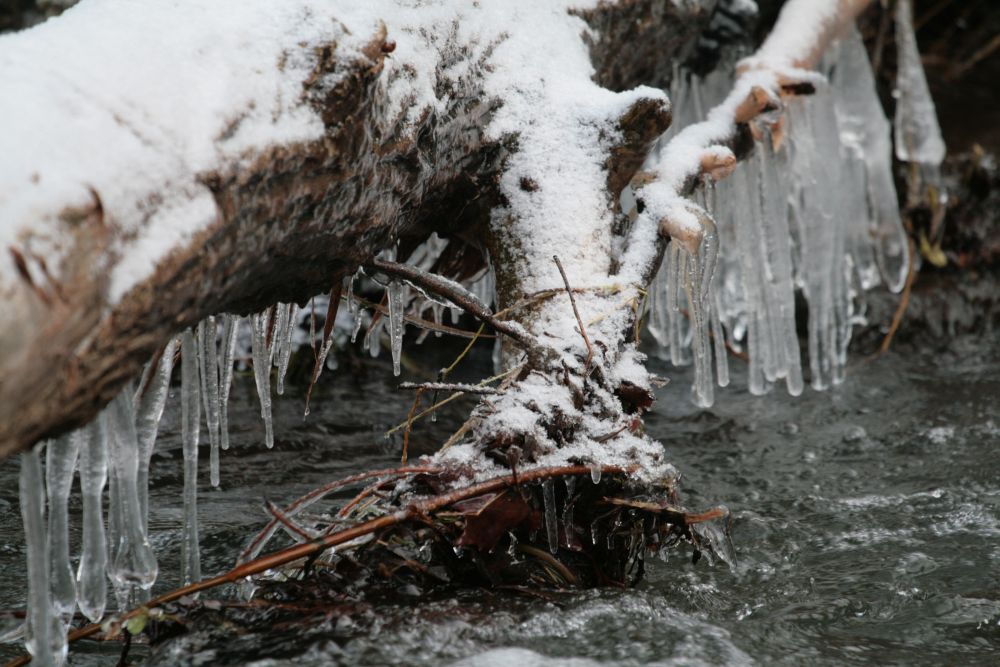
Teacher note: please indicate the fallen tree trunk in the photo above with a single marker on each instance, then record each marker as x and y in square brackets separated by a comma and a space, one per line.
[302, 143]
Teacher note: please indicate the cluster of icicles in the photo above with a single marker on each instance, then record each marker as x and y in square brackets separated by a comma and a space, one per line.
[815, 212]
[116, 448]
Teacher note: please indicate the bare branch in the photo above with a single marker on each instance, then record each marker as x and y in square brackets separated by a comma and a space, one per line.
[450, 386]
[461, 297]
[579, 320]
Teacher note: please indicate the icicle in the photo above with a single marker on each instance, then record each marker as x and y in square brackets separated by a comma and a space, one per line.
[312, 324]
[280, 315]
[230, 329]
[496, 357]
[92, 587]
[551, 520]
[353, 309]
[659, 321]
[780, 291]
[396, 323]
[190, 424]
[702, 389]
[208, 367]
[864, 126]
[437, 312]
[150, 399]
[719, 341]
[133, 562]
[822, 229]
[674, 276]
[373, 337]
[918, 135]
[262, 371]
[324, 352]
[115, 522]
[595, 473]
[718, 539]
[708, 258]
[284, 352]
[44, 637]
[700, 269]
[677, 273]
[60, 462]
[568, 523]
[422, 336]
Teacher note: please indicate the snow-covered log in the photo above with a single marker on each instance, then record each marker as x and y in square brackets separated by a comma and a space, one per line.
[168, 161]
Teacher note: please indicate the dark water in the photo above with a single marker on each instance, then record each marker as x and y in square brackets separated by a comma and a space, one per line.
[868, 525]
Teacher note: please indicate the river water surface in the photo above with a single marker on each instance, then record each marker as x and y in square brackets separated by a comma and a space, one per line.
[867, 526]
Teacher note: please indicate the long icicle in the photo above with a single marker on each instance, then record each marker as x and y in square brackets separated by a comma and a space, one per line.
[60, 463]
[134, 562]
[190, 424]
[230, 330]
[92, 586]
[262, 371]
[284, 344]
[396, 322]
[208, 368]
[44, 637]
[150, 399]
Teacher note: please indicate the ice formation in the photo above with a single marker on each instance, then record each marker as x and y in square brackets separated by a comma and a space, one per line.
[132, 562]
[44, 636]
[818, 213]
[91, 585]
[60, 464]
[190, 426]
[396, 324]
[208, 371]
[260, 325]
[230, 331]
[150, 399]
[918, 135]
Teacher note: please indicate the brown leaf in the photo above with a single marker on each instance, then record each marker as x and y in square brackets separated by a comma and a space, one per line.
[485, 525]
[634, 398]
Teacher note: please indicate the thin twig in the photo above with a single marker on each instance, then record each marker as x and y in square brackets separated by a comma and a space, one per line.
[564, 572]
[409, 423]
[446, 371]
[287, 521]
[451, 398]
[959, 70]
[473, 420]
[904, 299]
[324, 348]
[579, 320]
[449, 386]
[367, 491]
[460, 433]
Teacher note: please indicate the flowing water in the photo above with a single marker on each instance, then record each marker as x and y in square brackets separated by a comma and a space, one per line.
[867, 526]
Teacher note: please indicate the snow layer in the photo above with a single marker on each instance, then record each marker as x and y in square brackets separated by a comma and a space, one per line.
[133, 102]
